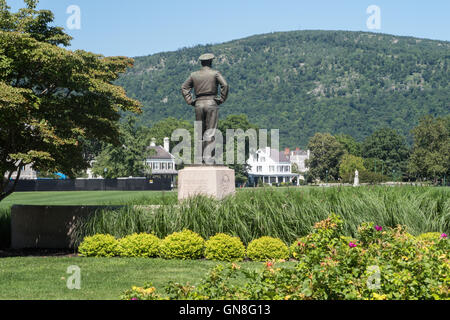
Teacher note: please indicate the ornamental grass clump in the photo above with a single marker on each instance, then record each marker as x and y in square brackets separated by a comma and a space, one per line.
[267, 248]
[223, 247]
[99, 245]
[182, 245]
[139, 245]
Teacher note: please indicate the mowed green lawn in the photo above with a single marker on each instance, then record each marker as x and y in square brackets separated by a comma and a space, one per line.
[45, 278]
[82, 197]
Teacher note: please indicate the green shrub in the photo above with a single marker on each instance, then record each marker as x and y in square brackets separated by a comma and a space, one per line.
[267, 248]
[429, 236]
[139, 245]
[223, 247]
[183, 245]
[296, 248]
[99, 245]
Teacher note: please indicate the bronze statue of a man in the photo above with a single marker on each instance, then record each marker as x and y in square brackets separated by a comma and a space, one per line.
[205, 83]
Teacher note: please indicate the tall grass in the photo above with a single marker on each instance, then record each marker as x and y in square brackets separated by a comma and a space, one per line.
[283, 213]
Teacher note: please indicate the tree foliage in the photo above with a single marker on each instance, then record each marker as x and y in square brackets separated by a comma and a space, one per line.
[348, 165]
[127, 158]
[430, 156]
[326, 155]
[52, 99]
[387, 147]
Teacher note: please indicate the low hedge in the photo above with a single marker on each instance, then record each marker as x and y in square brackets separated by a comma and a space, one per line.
[267, 248]
[223, 247]
[183, 245]
[139, 245]
[99, 245]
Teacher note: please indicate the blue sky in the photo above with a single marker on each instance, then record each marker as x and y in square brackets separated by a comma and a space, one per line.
[142, 27]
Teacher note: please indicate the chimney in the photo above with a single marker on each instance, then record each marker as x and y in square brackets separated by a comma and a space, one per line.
[297, 149]
[153, 143]
[166, 144]
[286, 151]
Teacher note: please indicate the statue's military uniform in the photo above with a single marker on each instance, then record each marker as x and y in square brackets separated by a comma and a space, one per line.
[205, 83]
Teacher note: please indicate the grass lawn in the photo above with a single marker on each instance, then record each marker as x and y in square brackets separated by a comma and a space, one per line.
[36, 278]
[81, 197]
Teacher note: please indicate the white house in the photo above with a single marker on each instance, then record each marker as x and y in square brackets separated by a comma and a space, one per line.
[160, 161]
[270, 166]
[298, 157]
[27, 173]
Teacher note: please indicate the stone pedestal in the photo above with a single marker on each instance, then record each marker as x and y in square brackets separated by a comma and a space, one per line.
[214, 181]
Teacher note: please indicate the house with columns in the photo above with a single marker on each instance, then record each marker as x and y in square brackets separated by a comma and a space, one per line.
[270, 166]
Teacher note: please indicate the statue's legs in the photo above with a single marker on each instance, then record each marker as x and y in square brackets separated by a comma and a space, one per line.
[207, 112]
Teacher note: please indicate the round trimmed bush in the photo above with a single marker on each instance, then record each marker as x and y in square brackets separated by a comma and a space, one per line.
[223, 247]
[183, 245]
[267, 248]
[99, 245]
[139, 245]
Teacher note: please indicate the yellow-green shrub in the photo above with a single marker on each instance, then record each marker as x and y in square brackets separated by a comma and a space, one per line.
[139, 245]
[429, 236]
[99, 245]
[182, 245]
[267, 248]
[223, 247]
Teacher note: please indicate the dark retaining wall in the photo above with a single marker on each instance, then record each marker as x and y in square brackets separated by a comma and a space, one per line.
[131, 184]
[47, 227]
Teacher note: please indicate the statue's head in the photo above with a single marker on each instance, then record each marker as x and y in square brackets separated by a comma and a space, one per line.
[206, 59]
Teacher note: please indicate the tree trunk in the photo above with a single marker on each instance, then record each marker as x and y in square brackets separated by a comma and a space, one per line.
[5, 192]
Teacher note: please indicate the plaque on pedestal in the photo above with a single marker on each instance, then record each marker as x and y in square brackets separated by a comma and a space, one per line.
[214, 181]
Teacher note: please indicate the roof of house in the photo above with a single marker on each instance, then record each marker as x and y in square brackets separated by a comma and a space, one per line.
[300, 153]
[281, 156]
[160, 153]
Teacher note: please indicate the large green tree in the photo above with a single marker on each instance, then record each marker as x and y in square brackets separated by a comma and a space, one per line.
[348, 165]
[430, 157]
[389, 148]
[237, 122]
[125, 159]
[164, 128]
[349, 143]
[326, 155]
[52, 99]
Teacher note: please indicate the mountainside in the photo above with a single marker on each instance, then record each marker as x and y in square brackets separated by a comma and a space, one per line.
[303, 82]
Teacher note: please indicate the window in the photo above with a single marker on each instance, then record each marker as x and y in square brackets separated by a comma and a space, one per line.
[259, 169]
[271, 168]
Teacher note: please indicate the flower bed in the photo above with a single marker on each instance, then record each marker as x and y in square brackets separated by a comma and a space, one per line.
[380, 263]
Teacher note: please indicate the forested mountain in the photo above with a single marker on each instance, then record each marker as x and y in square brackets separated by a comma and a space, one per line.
[303, 82]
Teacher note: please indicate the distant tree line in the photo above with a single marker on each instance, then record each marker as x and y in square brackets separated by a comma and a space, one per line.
[384, 155]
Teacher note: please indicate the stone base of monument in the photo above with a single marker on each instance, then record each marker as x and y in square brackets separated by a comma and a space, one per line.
[214, 181]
